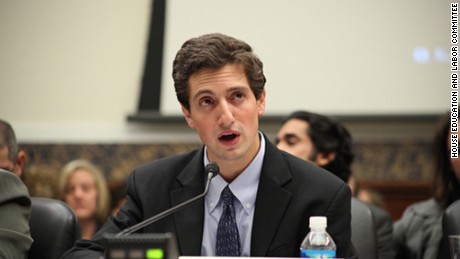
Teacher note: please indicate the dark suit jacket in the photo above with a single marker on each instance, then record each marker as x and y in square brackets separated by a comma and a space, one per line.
[290, 191]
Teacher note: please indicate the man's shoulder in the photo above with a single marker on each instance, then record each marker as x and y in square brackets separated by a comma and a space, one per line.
[310, 170]
[300, 169]
[162, 169]
[304, 171]
[12, 187]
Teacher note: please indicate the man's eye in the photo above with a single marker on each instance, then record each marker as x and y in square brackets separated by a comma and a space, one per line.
[206, 102]
[291, 143]
[239, 96]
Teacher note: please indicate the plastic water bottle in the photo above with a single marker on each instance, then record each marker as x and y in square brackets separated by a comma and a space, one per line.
[318, 243]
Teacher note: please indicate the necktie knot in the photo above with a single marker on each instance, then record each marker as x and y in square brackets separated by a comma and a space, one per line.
[227, 196]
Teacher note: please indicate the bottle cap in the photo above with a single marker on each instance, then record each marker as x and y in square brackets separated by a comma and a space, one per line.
[318, 222]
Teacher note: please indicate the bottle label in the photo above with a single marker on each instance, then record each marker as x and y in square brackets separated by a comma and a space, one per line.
[317, 253]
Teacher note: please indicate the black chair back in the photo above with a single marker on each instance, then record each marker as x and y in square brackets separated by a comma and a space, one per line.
[451, 219]
[363, 230]
[54, 228]
[450, 226]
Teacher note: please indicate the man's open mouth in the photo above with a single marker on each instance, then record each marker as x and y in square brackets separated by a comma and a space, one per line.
[228, 137]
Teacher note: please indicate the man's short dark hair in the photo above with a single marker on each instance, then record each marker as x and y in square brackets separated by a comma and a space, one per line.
[8, 138]
[215, 51]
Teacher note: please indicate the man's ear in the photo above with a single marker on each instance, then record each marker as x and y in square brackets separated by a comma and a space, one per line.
[261, 104]
[20, 161]
[188, 117]
[323, 159]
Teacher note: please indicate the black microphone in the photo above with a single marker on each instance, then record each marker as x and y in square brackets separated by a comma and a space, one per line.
[212, 169]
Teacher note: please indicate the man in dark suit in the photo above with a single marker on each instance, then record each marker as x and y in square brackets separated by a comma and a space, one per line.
[220, 83]
[326, 143]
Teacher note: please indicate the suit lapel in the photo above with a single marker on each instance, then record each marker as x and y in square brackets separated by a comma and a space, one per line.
[189, 221]
[272, 199]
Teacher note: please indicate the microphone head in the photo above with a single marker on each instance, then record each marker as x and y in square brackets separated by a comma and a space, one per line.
[213, 168]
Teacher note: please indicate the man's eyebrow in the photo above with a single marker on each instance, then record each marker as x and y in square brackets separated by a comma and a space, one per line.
[291, 135]
[201, 92]
[231, 89]
[237, 88]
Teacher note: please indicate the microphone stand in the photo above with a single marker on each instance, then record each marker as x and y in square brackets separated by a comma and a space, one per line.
[167, 212]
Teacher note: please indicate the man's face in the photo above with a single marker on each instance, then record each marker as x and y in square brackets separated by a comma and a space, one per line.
[293, 138]
[5, 162]
[225, 113]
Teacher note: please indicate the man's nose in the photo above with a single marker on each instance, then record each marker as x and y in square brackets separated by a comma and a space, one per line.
[226, 117]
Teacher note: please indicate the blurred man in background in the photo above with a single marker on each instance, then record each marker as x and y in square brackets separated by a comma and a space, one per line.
[326, 143]
[15, 239]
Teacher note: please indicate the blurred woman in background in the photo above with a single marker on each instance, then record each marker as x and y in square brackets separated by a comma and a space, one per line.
[418, 233]
[84, 188]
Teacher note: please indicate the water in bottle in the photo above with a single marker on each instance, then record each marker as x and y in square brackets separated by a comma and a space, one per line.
[318, 243]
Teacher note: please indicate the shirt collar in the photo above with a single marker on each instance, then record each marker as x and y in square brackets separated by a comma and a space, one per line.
[244, 187]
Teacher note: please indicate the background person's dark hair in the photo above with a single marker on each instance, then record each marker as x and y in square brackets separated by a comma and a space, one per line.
[329, 136]
[445, 183]
[8, 138]
[215, 51]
